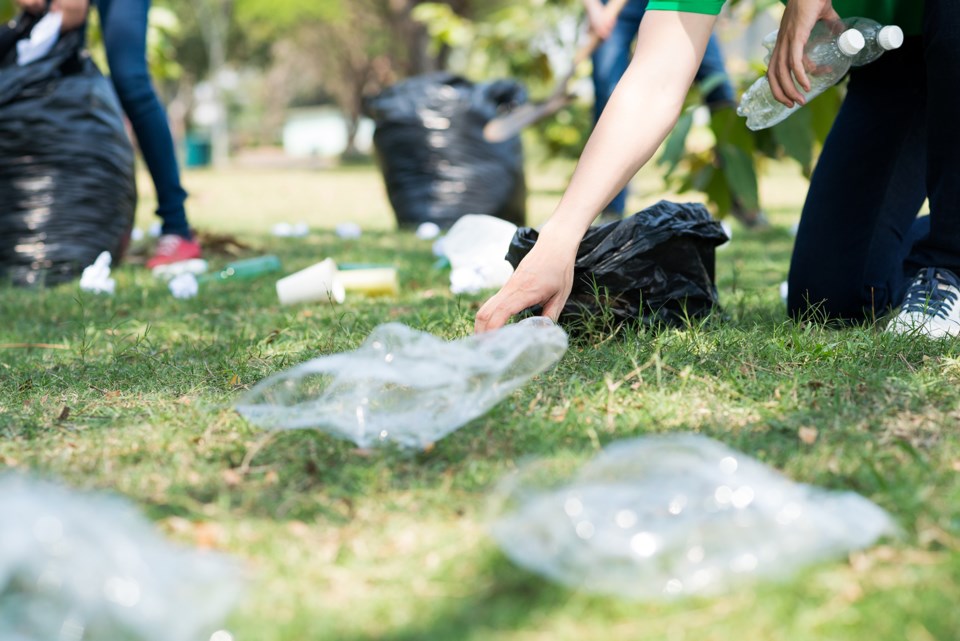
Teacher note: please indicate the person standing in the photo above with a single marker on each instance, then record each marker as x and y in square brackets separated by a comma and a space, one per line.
[124, 27]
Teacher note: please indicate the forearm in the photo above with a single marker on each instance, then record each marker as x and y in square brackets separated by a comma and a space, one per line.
[638, 117]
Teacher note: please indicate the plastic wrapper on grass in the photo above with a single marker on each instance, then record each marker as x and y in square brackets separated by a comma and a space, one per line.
[657, 266]
[403, 386]
[87, 566]
[663, 517]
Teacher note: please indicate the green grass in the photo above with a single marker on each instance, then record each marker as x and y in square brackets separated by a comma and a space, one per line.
[134, 394]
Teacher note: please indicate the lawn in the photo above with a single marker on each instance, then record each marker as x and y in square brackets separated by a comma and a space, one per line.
[134, 394]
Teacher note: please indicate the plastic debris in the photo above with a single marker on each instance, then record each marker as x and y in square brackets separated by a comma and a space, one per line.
[476, 246]
[428, 231]
[286, 230]
[89, 566]
[195, 266]
[349, 231]
[136, 234]
[42, 39]
[405, 387]
[784, 291]
[155, 230]
[667, 516]
[317, 283]
[96, 277]
[184, 286]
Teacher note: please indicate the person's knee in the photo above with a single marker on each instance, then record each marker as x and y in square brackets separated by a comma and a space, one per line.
[132, 85]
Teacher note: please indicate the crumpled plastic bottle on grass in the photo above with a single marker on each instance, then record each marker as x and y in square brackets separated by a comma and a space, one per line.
[668, 516]
[87, 566]
[404, 386]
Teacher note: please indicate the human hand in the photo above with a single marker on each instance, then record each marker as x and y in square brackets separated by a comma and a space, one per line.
[544, 277]
[74, 11]
[601, 19]
[786, 68]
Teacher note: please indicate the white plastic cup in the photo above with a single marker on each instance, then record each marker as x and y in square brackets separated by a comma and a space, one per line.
[315, 283]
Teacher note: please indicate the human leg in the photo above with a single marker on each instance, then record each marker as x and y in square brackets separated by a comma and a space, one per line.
[722, 95]
[859, 217]
[124, 25]
[931, 306]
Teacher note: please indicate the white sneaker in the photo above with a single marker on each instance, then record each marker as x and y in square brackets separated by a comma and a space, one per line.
[931, 307]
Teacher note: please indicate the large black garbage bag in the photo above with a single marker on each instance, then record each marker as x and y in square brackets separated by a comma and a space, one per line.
[435, 162]
[657, 266]
[67, 190]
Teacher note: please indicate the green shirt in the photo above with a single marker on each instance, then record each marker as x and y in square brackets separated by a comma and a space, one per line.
[906, 14]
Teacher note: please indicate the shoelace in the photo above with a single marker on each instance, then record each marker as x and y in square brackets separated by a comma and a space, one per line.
[925, 295]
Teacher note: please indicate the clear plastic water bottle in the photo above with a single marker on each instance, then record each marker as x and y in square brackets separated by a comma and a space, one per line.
[878, 39]
[829, 53]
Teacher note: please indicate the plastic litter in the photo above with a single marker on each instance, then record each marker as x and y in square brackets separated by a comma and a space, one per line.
[784, 291]
[475, 247]
[657, 266]
[436, 164]
[184, 286]
[195, 266]
[136, 235]
[43, 37]
[326, 282]
[405, 387]
[246, 269]
[349, 231]
[286, 230]
[428, 231]
[67, 188]
[155, 230]
[96, 277]
[663, 517]
[89, 566]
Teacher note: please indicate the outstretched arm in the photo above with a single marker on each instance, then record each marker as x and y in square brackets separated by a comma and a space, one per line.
[642, 111]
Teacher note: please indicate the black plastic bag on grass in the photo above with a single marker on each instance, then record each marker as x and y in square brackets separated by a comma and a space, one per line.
[67, 190]
[657, 266]
[435, 162]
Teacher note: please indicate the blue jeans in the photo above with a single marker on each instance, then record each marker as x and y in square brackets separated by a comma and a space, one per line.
[612, 57]
[124, 26]
[893, 144]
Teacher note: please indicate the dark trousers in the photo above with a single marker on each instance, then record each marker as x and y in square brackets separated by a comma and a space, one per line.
[894, 143]
[124, 26]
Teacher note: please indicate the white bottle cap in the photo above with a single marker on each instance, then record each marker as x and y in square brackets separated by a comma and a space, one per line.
[890, 37]
[851, 42]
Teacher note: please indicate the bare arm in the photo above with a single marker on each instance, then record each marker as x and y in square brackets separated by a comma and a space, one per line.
[639, 115]
[603, 17]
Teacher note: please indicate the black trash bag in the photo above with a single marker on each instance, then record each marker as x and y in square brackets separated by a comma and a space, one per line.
[67, 190]
[657, 266]
[435, 162]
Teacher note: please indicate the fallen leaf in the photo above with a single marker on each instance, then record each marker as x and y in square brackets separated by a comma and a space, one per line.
[271, 478]
[207, 535]
[64, 414]
[235, 380]
[809, 435]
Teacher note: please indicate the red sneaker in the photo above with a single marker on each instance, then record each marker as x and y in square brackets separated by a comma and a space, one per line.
[173, 249]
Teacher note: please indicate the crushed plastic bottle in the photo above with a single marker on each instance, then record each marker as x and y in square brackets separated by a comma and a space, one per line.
[666, 516]
[829, 52]
[403, 386]
[88, 566]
